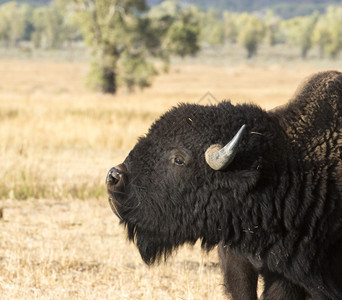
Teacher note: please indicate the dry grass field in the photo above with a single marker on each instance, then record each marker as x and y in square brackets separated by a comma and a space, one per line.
[58, 237]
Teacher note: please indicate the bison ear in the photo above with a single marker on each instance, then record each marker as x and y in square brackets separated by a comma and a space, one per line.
[218, 157]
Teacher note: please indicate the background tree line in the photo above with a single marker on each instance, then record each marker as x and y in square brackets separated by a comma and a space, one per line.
[127, 38]
[284, 8]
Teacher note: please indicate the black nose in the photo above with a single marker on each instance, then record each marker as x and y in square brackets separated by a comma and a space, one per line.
[114, 176]
[117, 177]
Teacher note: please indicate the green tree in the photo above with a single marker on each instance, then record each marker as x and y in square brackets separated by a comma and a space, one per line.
[110, 29]
[299, 31]
[124, 38]
[14, 22]
[174, 30]
[54, 25]
[134, 71]
[230, 26]
[321, 35]
[69, 28]
[48, 27]
[251, 33]
[181, 38]
[211, 28]
[272, 24]
[333, 43]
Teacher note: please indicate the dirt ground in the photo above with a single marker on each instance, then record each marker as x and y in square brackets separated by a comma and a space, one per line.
[53, 249]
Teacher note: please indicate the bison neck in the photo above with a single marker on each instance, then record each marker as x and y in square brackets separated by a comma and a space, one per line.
[278, 223]
[295, 202]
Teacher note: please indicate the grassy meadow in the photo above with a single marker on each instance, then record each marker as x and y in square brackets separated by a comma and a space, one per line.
[58, 237]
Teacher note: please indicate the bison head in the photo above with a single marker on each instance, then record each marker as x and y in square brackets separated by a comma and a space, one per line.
[177, 185]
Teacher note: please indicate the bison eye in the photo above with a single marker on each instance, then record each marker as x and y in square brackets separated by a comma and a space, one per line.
[178, 161]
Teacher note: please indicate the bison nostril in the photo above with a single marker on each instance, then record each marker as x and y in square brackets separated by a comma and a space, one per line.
[113, 176]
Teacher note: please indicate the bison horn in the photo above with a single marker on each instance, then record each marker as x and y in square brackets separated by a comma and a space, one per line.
[218, 157]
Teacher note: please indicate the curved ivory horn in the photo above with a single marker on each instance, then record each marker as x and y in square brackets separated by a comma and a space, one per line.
[218, 157]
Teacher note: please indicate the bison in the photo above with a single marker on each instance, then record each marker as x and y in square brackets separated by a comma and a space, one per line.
[264, 185]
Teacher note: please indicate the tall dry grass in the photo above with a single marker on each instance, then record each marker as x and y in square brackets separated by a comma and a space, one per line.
[57, 140]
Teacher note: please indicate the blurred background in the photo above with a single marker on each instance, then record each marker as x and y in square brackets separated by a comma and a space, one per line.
[81, 80]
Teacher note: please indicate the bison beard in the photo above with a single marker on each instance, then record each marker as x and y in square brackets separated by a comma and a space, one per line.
[273, 201]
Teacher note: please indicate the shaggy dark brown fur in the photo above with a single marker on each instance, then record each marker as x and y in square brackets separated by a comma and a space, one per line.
[276, 209]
